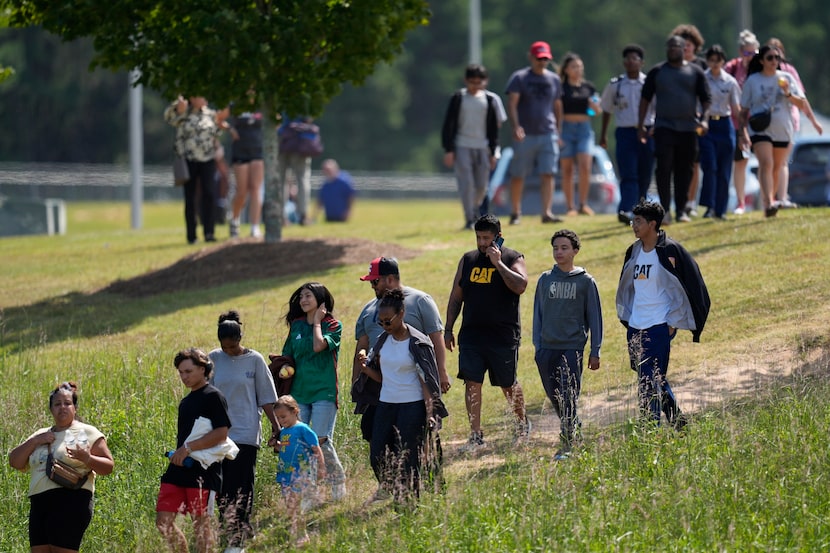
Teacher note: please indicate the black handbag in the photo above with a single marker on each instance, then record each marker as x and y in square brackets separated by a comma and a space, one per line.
[61, 473]
[760, 121]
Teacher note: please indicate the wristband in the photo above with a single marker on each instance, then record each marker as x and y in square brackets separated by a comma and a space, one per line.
[187, 447]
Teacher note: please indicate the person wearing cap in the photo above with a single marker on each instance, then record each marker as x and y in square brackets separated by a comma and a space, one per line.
[420, 312]
[534, 108]
[635, 159]
[487, 286]
[242, 375]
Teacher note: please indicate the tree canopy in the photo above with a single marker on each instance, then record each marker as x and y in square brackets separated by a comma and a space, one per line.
[295, 54]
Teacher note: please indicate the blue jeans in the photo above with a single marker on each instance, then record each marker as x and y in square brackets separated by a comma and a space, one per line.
[635, 162]
[577, 138]
[397, 442]
[649, 351]
[321, 416]
[561, 374]
[717, 148]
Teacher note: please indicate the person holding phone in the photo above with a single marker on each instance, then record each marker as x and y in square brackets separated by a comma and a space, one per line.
[487, 287]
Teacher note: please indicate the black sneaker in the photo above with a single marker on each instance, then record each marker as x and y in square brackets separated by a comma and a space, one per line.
[475, 442]
[680, 422]
[515, 219]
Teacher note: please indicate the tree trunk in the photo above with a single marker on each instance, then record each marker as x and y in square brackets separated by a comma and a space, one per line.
[272, 208]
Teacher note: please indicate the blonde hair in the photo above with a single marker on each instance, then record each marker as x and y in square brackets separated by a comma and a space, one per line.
[748, 38]
[289, 403]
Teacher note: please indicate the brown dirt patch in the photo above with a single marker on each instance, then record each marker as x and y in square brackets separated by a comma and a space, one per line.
[250, 259]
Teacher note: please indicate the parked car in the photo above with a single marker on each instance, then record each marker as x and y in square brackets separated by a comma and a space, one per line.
[603, 193]
[809, 171]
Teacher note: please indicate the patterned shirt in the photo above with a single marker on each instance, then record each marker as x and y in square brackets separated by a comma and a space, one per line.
[196, 132]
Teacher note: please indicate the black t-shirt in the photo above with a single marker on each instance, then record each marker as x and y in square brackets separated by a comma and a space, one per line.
[491, 310]
[206, 402]
[575, 98]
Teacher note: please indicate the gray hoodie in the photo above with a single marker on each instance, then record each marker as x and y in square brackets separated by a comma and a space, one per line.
[566, 307]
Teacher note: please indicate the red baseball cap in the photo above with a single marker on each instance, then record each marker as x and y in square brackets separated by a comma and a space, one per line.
[540, 50]
[381, 266]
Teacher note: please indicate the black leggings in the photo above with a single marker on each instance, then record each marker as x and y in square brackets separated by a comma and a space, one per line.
[60, 517]
[202, 181]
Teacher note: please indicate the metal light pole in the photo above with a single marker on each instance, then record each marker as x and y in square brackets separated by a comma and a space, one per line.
[475, 31]
[136, 142]
[743, 14]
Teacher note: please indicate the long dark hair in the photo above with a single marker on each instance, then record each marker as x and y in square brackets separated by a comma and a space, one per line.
[756, 64]
[321, 294]
[566, 61]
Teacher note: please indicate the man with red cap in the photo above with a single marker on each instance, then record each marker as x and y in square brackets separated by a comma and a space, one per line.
[421, 313]
[535, 111]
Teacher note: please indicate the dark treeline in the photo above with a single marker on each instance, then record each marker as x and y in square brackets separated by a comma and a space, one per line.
[55, 109]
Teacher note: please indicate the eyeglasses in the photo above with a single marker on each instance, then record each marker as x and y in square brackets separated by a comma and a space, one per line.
[387, 322]
[772, 57]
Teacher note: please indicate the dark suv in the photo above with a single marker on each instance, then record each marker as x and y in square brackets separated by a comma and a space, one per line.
[809, 171]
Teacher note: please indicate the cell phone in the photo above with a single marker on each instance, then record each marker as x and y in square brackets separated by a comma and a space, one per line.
[498, 241]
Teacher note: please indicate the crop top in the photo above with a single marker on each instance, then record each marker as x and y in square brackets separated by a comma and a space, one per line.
[575, 98]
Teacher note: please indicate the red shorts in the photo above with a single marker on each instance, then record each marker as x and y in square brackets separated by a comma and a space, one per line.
[193, 501]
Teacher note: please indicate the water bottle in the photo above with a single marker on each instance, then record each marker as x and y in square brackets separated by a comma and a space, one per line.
[594, 99]
[69, 439]
[83, 439]
[188, 461]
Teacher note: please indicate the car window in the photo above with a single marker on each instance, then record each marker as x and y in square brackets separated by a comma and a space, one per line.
[813, 154]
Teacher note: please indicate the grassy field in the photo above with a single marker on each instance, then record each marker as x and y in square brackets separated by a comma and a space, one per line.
[749, 474]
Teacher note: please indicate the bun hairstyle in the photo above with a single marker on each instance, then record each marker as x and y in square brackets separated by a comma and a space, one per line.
[65, 387]
[197, 356]
[393, 298]
[230, 326]
[748, 38]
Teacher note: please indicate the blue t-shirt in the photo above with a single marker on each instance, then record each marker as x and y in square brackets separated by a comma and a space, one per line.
[295, 452]
[336, 195]
[537, 93]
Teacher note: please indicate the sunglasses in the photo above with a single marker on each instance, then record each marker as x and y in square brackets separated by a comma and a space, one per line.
[772, 57]
[747, 53]
[543, 59]
[387, 322]
[374, 282]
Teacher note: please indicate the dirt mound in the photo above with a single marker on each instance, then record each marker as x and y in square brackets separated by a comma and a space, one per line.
[250, 259]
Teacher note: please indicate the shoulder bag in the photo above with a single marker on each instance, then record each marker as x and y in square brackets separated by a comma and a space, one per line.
[61, 473]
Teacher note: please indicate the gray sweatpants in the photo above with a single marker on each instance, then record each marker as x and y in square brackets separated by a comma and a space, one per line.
[472, 171]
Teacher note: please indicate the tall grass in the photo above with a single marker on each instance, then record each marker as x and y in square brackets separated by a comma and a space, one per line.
[749, 474]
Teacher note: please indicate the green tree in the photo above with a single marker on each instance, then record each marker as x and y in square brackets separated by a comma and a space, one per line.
[296, 54]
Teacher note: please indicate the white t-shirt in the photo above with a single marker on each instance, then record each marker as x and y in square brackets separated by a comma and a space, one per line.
[761, 93]
[651, 304]
[401, 383]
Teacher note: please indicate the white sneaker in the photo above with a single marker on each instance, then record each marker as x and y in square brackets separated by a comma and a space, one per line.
[739, 210]
[234, 550]
[255, 232]
[338, 492]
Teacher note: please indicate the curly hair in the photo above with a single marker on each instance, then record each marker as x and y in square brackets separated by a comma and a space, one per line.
[197, 356]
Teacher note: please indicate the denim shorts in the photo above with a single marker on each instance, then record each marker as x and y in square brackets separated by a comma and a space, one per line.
[577, 138]
[537, 153]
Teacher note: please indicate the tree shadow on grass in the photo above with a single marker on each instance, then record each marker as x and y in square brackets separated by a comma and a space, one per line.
[226, 270]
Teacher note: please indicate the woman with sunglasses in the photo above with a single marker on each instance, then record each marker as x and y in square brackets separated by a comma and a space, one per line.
[403, 362]
[768, 89]
[738, 67]
[314, 342]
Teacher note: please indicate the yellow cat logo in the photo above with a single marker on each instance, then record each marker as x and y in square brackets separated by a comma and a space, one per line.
[482, 275]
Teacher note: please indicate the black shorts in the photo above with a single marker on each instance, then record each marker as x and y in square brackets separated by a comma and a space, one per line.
[60, 517]
[500, 362]
[756, 138]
